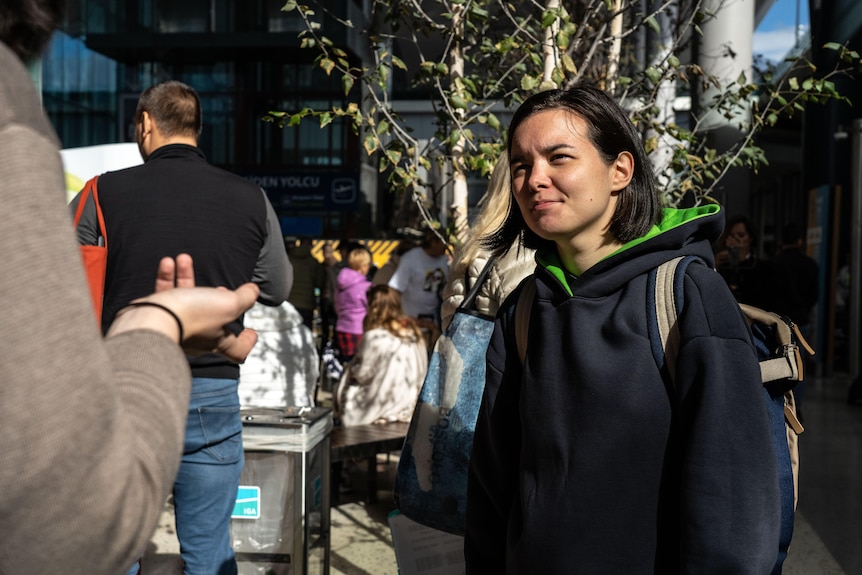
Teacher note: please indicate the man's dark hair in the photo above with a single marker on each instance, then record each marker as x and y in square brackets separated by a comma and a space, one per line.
[611, 132]
[174, 107]
[26, 25]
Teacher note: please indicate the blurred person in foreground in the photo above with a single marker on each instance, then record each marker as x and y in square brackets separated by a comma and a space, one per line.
[91, 428]
[586, 458]
[506, 272]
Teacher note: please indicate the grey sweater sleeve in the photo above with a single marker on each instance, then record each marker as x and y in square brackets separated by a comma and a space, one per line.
[273, 273]
[88, 225]
[91, 430]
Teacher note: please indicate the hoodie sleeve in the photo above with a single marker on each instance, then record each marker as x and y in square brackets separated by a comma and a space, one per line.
[730, 505]
[493, 474]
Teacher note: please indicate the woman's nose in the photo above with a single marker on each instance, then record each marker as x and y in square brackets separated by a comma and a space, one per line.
[538, 177]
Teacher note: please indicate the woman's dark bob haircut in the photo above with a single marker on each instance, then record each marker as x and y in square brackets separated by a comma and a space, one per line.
[611, 132]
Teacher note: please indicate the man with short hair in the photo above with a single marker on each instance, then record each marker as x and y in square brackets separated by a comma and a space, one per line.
[420, 278]
[176, 202]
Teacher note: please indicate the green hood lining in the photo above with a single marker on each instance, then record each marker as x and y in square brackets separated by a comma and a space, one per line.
[671, 218]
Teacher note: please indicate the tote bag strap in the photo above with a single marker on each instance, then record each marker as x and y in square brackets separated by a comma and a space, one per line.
[470, 299]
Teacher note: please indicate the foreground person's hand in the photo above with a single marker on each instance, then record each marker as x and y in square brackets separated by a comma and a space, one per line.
[195, 317]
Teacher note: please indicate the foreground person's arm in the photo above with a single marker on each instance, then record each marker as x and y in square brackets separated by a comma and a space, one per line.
[91, 430]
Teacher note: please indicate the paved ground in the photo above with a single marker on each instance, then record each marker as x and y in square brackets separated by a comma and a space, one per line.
[826, 538]
[361, 543]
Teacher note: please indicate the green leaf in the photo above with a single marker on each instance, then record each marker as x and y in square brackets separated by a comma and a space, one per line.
[529, 82]
[458, 102]
[325, 119]
[741, 80]
[383, 127]
[442, 68]
[807, 84]
[289, 6]
[398, 62]
[295, 119]
[548, 18]
[454, 138]
[479, 12]
[653, 74]
[653, 24]
[832, 46]
[563, 39]
[793, 83]
[673, 61]
[569, 64]
[493, 121]
[346, 83]
[394, 156]
[370, 144]
[327, 65]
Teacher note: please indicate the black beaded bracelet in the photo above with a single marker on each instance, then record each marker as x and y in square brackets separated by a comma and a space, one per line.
[164, 308]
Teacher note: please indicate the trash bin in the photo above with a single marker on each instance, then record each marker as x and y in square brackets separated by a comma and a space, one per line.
[280, 524]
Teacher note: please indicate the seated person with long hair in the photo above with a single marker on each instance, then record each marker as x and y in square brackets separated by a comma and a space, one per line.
[383, 380]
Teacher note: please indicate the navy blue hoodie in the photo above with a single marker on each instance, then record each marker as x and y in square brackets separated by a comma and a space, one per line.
[585, 461]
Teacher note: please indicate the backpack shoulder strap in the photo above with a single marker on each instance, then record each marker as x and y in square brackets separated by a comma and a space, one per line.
[788, 363]
[664, 302]
[523, 308]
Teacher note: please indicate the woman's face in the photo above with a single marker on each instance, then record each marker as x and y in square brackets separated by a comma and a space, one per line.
[738, 237]
[564, 188]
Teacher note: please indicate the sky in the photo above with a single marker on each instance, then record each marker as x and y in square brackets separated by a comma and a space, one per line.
[775, 36]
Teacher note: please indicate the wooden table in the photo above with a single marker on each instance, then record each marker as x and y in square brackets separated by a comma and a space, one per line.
[364, 442]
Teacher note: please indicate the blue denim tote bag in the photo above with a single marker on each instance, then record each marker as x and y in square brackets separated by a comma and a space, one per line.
[431, 479]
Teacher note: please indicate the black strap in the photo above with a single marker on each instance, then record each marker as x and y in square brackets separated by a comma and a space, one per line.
[470, 298]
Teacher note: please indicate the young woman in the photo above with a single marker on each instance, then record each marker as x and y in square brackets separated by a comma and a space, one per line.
[584, 459]
[382, 382]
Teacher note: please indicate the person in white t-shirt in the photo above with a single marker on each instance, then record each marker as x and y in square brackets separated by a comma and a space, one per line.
[422, 272]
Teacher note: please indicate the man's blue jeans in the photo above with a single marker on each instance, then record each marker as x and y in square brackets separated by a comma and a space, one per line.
[206, 485]
[207, 482]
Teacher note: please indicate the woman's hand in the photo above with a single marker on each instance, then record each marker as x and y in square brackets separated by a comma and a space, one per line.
[204, 312]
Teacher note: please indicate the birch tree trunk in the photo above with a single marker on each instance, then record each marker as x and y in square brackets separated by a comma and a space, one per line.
[458, 207]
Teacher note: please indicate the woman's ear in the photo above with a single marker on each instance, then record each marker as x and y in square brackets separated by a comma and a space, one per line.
[623, 170]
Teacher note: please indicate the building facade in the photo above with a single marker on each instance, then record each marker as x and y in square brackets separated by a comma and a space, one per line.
[245, 60]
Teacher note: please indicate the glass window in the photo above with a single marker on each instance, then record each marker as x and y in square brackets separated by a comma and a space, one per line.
[217, 139]
[186, 16]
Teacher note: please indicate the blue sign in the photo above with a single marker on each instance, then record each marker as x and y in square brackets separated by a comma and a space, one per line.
[247, 504]
[320, 191]
[298, 226]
